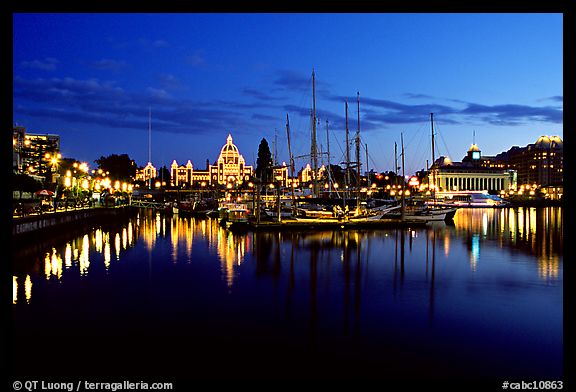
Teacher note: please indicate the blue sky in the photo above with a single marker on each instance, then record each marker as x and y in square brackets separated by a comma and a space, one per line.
[91, 78]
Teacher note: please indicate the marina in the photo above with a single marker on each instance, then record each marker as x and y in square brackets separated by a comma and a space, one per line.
[190, 285]
[254, 199]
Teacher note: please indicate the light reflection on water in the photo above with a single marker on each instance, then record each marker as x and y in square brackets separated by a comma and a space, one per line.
[488, 262]
[534, 232]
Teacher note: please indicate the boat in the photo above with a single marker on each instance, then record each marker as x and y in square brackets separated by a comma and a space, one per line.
[237, 217]
[418, 214]
[232, 213]
[476, 199]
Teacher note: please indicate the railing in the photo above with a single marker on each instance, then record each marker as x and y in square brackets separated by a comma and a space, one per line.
[147, 204]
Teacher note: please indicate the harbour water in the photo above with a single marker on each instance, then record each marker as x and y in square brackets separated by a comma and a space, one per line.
[480, 298]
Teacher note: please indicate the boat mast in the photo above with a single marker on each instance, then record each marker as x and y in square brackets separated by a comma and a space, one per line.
[328, 153]
[313, 148]
[433, 159]
[367, 172]
[395, 164]
[403, 178]
[291, 165]
[150, 144]
[347, 153]
[358, 182]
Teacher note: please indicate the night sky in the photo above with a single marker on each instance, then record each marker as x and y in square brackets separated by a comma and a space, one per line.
[91, 78]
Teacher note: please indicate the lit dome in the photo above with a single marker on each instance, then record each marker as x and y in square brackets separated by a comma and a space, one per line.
[549, 142]
[447, 161]
[229, 152]
[473, 147]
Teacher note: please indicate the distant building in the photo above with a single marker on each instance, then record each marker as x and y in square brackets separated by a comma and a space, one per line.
[34, 153]
[307, 173]
[540, 163]
[472, 174]
[230, 167]
[146, 173]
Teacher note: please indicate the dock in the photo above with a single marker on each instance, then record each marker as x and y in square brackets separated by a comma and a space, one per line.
[322, 224]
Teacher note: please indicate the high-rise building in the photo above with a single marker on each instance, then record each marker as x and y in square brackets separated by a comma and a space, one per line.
[540, 163]
[35, 154]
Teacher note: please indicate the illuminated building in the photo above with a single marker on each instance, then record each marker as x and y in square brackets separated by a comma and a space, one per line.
[230, 167]
[307, 174]
[470, 174]
[540, 163]
[181, 174]
[146, 173]
[30, 152]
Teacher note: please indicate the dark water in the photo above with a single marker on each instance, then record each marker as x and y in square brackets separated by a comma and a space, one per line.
[182, 297]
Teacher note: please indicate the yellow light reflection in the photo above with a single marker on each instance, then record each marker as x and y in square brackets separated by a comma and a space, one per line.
[56, 263]
[231, 252]
[47, 266]
[548, 268]
[117, 245]
[107, 254]
[130, 233]
[68, 256]
[14, 290]
[124, 238]
[98, 240]
[84, 255]
[28, 288]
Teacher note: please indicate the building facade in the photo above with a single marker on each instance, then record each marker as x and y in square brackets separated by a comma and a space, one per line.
[540, 163]
[472, 174]
[229, 168]
[35, 154]
[146, 173]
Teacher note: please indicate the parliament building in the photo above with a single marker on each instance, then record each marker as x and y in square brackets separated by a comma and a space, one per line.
[230, 167]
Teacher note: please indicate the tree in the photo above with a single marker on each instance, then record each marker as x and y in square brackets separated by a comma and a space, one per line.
[264, 162]
[163, 175]
[25, 183]
[120, 167]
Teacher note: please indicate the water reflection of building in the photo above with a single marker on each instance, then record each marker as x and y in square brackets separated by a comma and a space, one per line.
[74, 257]
[537, 231]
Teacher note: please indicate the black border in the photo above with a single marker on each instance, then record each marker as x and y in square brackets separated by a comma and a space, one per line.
[566, 7]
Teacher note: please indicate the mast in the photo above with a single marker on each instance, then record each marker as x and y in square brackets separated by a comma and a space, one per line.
[358, 182]
[150, 144]
[275, 160]
[402, 210]
[291, 165]
[347, 153]
[395, 164]
[433, 159]
[367, 172]
[313, 148]
[328, 160]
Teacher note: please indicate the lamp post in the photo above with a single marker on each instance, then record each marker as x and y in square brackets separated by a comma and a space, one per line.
[279, 179]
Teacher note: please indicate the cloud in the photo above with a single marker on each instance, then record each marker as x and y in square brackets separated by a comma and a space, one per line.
[418, 96]
[94, 101]
[555, 98]
[261, 95]
[47, 64]
[109, 65]
[100, 102]
[288, 80]
[511, 114]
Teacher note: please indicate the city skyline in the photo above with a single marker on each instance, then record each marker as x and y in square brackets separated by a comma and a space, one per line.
[92, 79]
